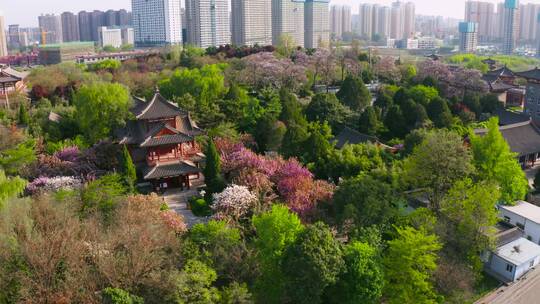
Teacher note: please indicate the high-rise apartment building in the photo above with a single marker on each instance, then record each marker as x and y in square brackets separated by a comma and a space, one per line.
[97, 20]
[409, 20]
[340, 20]
[3, 40]
[14, 36]
[346, 15]
[208, 22]
[397, 21]
[85, 26]
[482, 13]
[156, 22]
[70, 27]
[336, 21]
[528, 14]
[366, 14]
[510, 25]
[381, 21]
[468, 41]
[51, 28]
[251, 22]
[110, 18]
[317, 24]
[288, 19]
[123, 18]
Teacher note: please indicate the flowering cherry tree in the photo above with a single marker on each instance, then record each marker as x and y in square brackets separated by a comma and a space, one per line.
[289, 180]
[233, 203]
[265, 69]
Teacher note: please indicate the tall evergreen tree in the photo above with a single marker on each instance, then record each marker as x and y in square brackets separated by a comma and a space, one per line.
[369, 122]
[128, 170]
[23, 117]
[354, 93]
[439, 113]
[212, 170]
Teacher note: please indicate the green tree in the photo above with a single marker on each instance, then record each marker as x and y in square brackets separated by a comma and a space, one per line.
[236, 293]
[234, 103]
[212, 170]
[275, 231]
[293, 140]
[128, 170]
[364, 201]
[103, 195]
[439, 113]
[439, 161]
[311, 264]
[194, 284]
[111, 295]
[369, 122]
[318, 149]
[269, 134]
[537, 181]
[13, 160]
[495, 162]
[409, 263]
[362, 280]
[423, 94]
[23, 118]
[383, 102]
[326, 107]
[10, 187]
[490, 103]
[354, 93]
[101, 107]
[470, 210]
[395, 122]
[291, 111]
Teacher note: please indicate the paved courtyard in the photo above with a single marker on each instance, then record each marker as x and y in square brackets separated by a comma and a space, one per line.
[178, 201]
[525, 291]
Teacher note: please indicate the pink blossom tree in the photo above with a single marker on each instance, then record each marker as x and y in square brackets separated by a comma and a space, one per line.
[233, 203]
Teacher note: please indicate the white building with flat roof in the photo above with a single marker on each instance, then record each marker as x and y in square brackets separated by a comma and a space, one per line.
[288, 19]
[110, 37]
[208, 22]
[251, 22]
[511, 261]
[525, 216]
[156, 22]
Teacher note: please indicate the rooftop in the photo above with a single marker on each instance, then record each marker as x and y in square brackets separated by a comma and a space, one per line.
[523, 138]
[531, 74]
[525, 209]
[171, 170]
[353, 137]
[519, 251]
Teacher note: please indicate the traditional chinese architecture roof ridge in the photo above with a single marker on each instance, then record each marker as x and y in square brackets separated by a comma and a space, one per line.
[523, 138]
[531, 74]
[171, 169]
[509, 118]
[166, 140]
[502, 72]
[489, 61]
[157, 108]
[6, 71]
[353, 137]
[189, 127]
[499, 86]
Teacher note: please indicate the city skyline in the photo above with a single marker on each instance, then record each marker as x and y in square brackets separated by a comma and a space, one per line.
[34, 8]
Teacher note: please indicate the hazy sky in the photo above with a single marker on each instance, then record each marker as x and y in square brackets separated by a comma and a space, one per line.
[25, 12]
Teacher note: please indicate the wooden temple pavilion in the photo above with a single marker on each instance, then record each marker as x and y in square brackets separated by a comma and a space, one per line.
[11, 81]
[161, 141]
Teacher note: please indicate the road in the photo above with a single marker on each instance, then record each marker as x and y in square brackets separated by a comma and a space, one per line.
[177, 201]
[525, 291]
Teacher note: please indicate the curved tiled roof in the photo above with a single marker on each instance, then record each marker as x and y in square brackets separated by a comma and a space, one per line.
[171, 170]
[157, 108]
[523, 138]
[531, 74]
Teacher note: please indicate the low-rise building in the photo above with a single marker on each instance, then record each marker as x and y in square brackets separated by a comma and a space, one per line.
[524, 215]
[57, 53]
[512, 260]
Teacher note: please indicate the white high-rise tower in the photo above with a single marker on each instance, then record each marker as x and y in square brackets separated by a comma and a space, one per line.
[251, 22]
[208, 22]
[317, 24]
[288, 19]
[156, 22]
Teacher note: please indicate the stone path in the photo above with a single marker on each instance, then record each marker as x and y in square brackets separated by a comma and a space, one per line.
[178, 201]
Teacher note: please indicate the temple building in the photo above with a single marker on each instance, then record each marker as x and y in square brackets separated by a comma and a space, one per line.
[161, 141]
[11, 81]
[502, 82]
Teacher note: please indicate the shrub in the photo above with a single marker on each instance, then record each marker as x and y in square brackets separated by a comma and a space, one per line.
[119, 296]
[199, 207]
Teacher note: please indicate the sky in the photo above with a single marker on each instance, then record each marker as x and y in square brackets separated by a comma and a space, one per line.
[25, 12]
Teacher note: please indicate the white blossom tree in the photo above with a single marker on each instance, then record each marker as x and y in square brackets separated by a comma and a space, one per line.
[233, 203]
